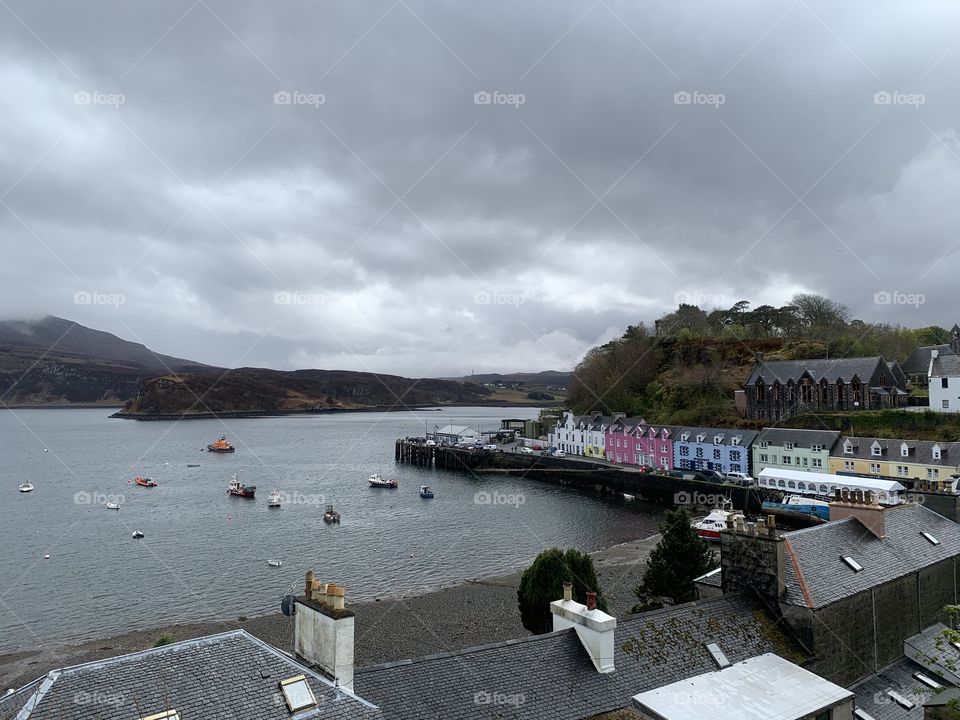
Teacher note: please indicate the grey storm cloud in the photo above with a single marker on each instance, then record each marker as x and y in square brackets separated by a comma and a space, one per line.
[428, 188]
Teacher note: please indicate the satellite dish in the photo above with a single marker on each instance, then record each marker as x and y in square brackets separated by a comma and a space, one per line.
[288, 605]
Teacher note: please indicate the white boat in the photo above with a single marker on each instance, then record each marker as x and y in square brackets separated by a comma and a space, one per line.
[26, 487]
[274, 563]
[113, 506]
[425, 491]
[273, 499]
[137, 535]
[376, 480]
[709, 528]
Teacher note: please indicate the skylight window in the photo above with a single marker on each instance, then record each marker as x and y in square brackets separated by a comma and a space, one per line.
[165, 715]
[297, 693]
[930, 538]
[861, 714]
[717, 654]
[853, 564]
[901, 700]
[928, 681]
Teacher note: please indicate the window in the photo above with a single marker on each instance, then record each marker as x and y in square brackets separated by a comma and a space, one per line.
[904, 451]
[902, 471]
[901, 700]
[684, 450]
[699, 452]
[804, 461]
[817, 462]
[736, 440]
[735, 456]
[851, 563]
[663, 447]
[945, 404]
[297, 693]
[764, 443]
[928, 681]
[786, 460]
[764, 458]
[824, 490]
[848, 465]
[802, 486]
[933, 473]
[792, 485]
[716, 453]
[930, 538]
[944, 383]
[816, 448]
[876, 450]
[717, 655]
[735, 467]
[875, 468]
[789, 446]
[936, 452]
[700, 438]
[773, 458]
[848, 448]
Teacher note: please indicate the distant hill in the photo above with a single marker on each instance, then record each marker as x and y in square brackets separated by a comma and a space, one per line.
[259, 390]
[553, 378]
[54, 361]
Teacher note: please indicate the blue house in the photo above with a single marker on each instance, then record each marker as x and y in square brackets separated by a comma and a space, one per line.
[721, 449]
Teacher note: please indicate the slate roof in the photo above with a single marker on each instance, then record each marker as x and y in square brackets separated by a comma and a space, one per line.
[746, 436]
[829, 369]
[551, 676]
[814, 554]
[918, 362]
[231, 675]
[871, 694]
[946, 366]
[897, 372]
[932, 650]
[921, 451]
[804, 439]
[713, 578]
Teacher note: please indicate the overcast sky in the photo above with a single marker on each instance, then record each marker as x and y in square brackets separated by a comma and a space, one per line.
[432, 188]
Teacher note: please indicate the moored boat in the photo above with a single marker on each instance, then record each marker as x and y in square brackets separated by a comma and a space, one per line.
[221, 446]
[330, 515]
[25, 487]
[136, 535]
[238, 489]
[274, 563]
[709, 527]
[113, 506]
[425, 491]
[144, 482]
[376, 480]
[796, 506]
[273, 499]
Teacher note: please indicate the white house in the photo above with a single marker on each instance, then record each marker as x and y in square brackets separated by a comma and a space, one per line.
[453, 434]
[944, 382]
[582, 434]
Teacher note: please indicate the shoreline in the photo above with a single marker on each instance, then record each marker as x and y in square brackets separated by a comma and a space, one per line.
[477, 611]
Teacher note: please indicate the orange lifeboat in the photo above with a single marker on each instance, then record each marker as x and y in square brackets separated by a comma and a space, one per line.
[144, 482]
[221, 446]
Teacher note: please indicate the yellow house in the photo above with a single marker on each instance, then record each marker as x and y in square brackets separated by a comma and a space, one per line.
[895, 459]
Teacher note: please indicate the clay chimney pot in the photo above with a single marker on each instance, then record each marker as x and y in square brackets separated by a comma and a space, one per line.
[591, 601]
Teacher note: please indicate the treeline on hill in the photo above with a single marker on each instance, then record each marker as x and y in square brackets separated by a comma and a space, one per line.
[684, 371]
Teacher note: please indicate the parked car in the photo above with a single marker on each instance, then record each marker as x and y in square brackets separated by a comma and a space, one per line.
[559, 453]
[711, 476]
[526, 451]
[490, 447]
[645, 469]
[739, 478]
[431, 442]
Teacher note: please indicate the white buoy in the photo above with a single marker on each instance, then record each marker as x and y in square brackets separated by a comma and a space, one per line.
[46, 557]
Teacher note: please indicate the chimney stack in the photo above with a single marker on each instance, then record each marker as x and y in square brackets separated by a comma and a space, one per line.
[594, 628]
[863, 507]
[324, 630]
[752, 557]
[567, 591]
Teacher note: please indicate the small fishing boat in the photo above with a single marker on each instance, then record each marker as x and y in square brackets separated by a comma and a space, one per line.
[709, 527]
[144, 482]
[331, 515]
[25, 487]
[274, 563]
[273, 499]
[425, 491]
[376, 480]
[799, 508]
[113, 506]
[137, 535]
[238, 489]
[193, 464]
[221, 446]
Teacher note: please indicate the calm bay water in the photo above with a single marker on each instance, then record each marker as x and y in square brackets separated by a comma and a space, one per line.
[205, 553]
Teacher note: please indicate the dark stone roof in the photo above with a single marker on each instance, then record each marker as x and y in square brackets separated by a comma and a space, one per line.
[921, 451]
[551, 676]
[820, 369]
[746, 436]
[918, 362]
[818, 552]
[804, 439]
[946, 366]
[871, 694]
[714, 578]
[218, 676]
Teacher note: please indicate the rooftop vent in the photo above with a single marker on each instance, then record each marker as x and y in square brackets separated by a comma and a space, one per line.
[297, 693]
[901, 700]
[717, 655]
[165, 715]
[853, 564]
[928, 681]
[930, 538]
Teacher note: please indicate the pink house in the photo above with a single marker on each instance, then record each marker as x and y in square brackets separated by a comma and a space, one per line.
[631, 441]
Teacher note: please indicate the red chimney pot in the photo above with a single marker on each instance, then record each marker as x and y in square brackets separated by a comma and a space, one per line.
[591, 601]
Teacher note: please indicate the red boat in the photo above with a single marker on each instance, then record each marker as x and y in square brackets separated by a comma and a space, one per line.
[239, 489]
[144, 482]
[220, 446]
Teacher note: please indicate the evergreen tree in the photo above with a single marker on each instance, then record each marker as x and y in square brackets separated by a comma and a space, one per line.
[542, 583]
[679, 558]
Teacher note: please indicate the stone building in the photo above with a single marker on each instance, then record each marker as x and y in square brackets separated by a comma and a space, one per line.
[853, 590]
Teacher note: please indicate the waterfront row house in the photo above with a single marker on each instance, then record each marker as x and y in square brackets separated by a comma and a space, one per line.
[582, 434]
[780, 389]
[720, 449]
[895, 459]
[631, 441]
[789, 449]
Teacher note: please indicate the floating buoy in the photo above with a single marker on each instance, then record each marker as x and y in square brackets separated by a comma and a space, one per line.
[46, 557]
[229, 517]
